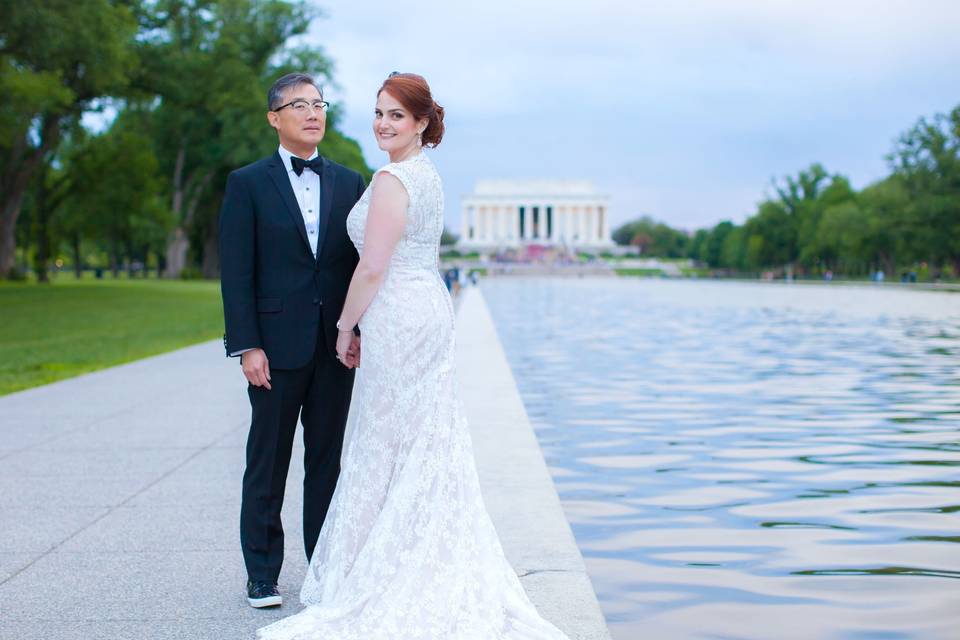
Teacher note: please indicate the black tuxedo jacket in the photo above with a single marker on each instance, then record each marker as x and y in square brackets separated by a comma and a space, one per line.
[275, 295]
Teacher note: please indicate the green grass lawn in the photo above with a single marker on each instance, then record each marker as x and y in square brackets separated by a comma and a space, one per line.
[51, 332]
[642, 273]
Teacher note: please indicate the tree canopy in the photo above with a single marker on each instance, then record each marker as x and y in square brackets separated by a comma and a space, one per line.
[181, 87]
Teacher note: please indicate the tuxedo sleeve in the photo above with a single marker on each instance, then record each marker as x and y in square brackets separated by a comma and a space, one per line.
[237, 267]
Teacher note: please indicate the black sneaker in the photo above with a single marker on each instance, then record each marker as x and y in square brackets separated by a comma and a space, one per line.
[263, 594]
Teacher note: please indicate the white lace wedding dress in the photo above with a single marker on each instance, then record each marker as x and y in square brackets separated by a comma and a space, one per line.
[407, 551]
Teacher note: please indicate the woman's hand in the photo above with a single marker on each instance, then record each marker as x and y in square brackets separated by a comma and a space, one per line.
[348, 349]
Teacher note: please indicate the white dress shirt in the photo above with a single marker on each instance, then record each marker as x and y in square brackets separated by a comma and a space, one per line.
[306, 188]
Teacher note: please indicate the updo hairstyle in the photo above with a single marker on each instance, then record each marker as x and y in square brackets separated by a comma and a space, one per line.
[413, 92]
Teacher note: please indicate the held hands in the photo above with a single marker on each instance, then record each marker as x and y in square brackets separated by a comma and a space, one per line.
[256, 368]
[348, 349]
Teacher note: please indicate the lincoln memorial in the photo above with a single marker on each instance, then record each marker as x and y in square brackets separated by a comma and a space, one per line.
[516, 213]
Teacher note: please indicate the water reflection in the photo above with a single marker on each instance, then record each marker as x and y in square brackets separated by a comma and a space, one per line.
[749, 460]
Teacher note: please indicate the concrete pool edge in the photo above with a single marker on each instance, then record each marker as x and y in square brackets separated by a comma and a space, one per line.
[517, 486]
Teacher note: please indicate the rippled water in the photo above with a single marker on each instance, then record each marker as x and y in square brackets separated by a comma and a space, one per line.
[750, 460]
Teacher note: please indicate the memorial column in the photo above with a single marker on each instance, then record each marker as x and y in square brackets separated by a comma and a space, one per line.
[604, 225]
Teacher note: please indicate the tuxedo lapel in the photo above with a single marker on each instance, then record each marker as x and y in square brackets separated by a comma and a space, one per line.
[327, 185]
[278, 173]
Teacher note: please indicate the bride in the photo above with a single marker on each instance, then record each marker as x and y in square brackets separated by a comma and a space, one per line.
[407, 550]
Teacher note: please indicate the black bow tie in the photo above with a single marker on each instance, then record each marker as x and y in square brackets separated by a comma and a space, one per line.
[315, 165]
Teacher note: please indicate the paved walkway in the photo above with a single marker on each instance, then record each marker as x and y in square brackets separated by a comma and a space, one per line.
[119, 500]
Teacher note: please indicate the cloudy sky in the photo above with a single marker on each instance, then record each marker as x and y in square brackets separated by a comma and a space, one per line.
[682, 110]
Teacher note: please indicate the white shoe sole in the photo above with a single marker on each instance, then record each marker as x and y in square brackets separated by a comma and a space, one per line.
[271, 601]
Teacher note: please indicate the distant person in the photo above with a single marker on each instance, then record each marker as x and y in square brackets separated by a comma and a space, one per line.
[455, 280]
[286, 264]
[408, 551]
[448, 280]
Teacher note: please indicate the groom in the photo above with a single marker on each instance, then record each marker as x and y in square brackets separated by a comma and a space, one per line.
[286, 263]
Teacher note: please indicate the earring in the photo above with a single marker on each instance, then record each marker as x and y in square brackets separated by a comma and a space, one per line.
[419, 138]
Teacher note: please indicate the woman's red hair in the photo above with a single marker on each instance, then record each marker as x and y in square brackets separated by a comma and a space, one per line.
[413, 92]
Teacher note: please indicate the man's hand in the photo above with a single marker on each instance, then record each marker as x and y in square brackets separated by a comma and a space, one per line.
[256, 368]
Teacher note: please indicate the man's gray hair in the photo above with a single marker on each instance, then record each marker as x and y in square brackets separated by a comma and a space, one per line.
[275, 95]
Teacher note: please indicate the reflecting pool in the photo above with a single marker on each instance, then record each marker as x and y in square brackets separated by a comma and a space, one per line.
[749, 460]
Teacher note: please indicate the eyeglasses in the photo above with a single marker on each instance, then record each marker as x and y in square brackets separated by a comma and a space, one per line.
[301, 107]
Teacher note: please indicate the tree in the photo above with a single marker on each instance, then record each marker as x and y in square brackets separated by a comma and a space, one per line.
[57, 58]
[697, 242]
[733, 250]
[115, 202]
[888, 232]
[623, 235]
[803, 200]
[51, 187]
[842, 239]
[654, 238]
[796, 213]
[927, 159]
[641, 240]
[770, 236]
[712, 248]
[835, 194]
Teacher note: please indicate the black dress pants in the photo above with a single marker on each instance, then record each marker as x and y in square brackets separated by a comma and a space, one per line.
[320, 394]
